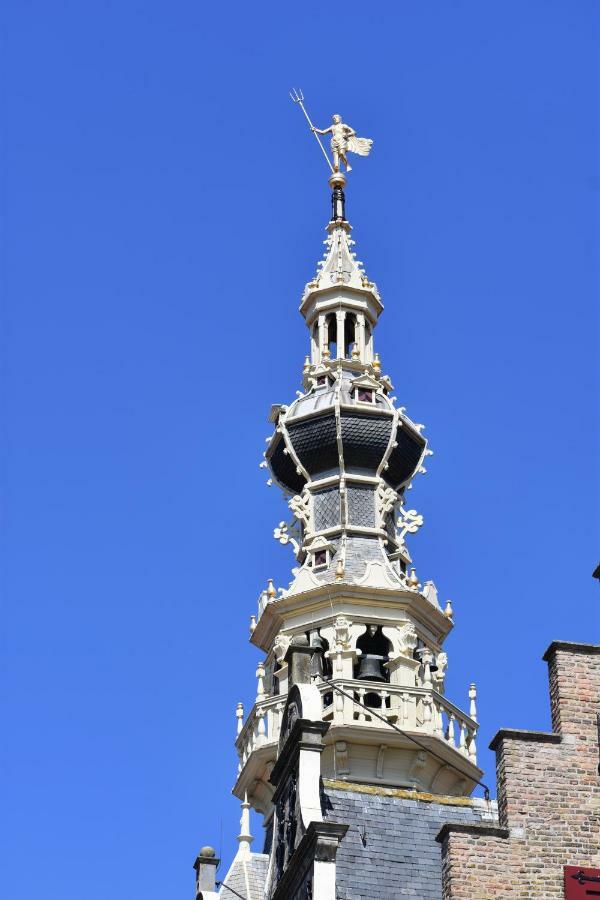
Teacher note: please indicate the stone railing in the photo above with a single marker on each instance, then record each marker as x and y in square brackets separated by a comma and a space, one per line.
[417, 709]
[261, 727]
[413, 709]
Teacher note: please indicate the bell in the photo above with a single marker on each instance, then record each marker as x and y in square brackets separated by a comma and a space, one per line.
[370, 667]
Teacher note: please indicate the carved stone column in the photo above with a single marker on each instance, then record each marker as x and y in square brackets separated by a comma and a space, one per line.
[341, 334]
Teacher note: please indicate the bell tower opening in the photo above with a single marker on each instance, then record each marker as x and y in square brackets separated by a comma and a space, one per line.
[332, 335]
[375, 651]
[349, 335]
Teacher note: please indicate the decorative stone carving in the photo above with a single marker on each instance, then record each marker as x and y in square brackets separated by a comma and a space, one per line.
[300, 506]
[407, 639]
[440, 673]
[288, 533]
[280, 646]
[430, 593]
[418, 764]
[342, 627]
[342, 759]
[408, 522]
[386, 499]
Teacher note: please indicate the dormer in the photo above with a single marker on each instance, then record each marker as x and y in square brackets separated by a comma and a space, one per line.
[320, 554]
[364, 389]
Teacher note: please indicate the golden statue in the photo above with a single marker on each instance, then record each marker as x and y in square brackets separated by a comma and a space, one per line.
[343, 139]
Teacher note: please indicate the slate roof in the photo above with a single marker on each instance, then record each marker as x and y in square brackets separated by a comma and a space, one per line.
[390, 850]
[247, 877]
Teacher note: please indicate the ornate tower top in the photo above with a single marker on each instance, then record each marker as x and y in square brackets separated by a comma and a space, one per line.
[344, 454]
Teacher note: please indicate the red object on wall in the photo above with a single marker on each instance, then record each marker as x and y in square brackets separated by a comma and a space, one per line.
[580, 883]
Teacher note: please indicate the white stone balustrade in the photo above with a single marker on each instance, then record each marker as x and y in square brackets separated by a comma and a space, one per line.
[413, 709]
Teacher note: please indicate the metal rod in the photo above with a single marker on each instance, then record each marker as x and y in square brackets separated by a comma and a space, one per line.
[222, 884]
[298, 97]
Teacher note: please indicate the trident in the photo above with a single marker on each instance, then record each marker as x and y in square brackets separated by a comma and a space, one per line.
[298, 97]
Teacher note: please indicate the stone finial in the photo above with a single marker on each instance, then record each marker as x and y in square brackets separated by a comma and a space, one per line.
[473, 701]
[448, 611]
[260, 682]
[413, 580]
[306, 368]
[377, 365]
[339, 571]
[271, 592]
[206, 869]
[252, 625]
[244, 837]
[239, 714]
[355, 351]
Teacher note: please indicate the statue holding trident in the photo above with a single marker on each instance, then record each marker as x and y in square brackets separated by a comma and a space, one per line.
[343, 138]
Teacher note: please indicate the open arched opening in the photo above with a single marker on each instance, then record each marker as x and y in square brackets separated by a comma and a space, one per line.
[332, 335]
[375, 651]
[349, 335]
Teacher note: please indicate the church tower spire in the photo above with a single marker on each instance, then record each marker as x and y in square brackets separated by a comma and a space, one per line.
[350, 693]
[344, 453]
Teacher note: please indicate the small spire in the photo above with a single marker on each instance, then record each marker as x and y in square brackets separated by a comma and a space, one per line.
[244, 837]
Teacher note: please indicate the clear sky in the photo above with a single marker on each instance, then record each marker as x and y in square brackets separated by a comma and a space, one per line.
[163, 206]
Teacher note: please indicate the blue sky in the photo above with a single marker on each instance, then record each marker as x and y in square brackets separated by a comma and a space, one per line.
[163, 205]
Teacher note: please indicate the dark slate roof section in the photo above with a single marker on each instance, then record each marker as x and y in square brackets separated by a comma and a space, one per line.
[398, 855]
[315, 443]
[404, 458]
[284, 468]
[247, 877]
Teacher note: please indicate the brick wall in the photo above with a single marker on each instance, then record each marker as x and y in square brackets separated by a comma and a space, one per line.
[548, 796]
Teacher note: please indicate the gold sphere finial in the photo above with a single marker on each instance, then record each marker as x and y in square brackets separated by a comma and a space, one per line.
[325, 353]
[339, 570]
[377, 364]
[271, 592]
[356, 351]
[413, 580]
[337, 180]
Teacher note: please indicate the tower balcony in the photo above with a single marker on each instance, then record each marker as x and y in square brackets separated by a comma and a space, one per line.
[360, 747]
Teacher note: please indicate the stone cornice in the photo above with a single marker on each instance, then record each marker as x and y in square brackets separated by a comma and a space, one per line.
[475, 830]
[570, 647]
[517, 734]
[348, 595]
